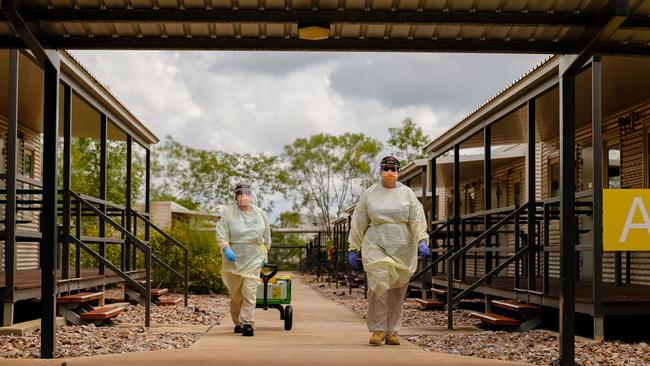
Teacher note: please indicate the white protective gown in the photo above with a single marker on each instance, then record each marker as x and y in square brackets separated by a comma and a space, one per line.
[249, 236]
[387, 225]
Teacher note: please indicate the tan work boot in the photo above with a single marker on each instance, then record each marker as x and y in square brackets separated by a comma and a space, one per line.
[392, 340]
[376, 338]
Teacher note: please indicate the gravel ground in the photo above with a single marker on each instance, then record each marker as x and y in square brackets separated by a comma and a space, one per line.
[74, 341]
[538, 347]
[88, 340]
[201, 310]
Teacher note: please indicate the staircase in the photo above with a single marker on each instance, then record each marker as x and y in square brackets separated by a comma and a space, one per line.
[511, 314]
[79, 309]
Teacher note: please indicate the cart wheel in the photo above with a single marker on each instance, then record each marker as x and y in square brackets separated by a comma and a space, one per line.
[288, 317]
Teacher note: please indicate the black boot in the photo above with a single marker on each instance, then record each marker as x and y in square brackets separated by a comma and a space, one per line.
[238, 329]
[247, 330]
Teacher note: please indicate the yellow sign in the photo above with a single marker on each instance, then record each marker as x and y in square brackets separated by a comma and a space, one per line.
[626, 221]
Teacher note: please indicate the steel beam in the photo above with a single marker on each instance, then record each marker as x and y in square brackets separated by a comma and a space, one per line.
[530, 184]
[597, 143]
[147, 191]
[66, 219]
[103, 168]
[48, 250]
[9, 292]
[567, 218]
[10, 9]
[456, 223]
[616, 12]
[487, 190]
[129, 157]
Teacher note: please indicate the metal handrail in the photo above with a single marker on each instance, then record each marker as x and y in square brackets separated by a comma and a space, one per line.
[186, 276]
[489, 232]
[142, 246]
[456, 299]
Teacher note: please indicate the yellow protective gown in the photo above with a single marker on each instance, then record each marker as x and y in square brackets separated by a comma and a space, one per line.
[387, 225]
[249, 236]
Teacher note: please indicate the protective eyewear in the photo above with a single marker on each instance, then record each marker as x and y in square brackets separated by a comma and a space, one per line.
[243, 191]
[389, 169]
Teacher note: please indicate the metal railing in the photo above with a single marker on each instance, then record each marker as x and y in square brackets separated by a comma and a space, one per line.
[454, 300]
[185, 277]
[146, 250]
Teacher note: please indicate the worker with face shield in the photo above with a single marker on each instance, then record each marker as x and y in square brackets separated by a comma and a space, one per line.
[244, 237]
[388, 226]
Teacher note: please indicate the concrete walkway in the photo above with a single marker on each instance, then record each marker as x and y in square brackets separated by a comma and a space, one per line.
[324, 333]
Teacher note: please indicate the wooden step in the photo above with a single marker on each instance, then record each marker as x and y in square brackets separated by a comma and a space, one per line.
[430, 304]
[79, 298]
[439, 291]
[518, 307]
[106, 312]
[169, 301]
[495, 319]
[157, 292]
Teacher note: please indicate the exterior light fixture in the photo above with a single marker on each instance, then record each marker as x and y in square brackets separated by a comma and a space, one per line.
[313, 31]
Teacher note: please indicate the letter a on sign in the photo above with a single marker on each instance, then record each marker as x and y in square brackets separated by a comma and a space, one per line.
[626, 223]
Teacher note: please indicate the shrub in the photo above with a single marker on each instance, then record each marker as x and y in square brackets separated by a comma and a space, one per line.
[204, 260]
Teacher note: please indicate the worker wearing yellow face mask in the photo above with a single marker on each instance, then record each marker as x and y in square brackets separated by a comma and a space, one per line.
[388, 226]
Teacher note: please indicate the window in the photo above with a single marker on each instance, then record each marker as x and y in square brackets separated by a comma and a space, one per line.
[28, 163]
[614, 166]
[517, 194]
[554, 179]
[587, 172]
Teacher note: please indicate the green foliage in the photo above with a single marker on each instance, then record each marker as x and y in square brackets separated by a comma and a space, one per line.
[287, 258]
[329, 172]
[206, 178]
[204, 260]
[407, 141]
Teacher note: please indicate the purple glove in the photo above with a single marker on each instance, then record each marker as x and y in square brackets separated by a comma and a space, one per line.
[424, 248]
[353, 259]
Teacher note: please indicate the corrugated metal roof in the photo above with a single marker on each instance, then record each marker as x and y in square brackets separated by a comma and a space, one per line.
[407, 25]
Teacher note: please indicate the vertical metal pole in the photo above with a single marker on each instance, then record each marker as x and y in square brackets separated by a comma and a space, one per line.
[434, 213]
[318, 259]
[597, 143]
[10, 209]
[456, 222]
[147, 292]
[50, 200]
[532, 207]
[487, 192]
[147, 194]
[567, 218]
[67, 140]
[77, 253]
[128, 213]
[426, 278]
[102, 183]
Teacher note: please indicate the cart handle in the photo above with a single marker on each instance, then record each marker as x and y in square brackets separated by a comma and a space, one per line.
[266, 278]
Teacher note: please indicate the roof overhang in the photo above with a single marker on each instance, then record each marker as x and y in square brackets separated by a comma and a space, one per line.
[529, 26]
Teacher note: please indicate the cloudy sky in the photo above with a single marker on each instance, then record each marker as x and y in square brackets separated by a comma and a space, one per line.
[259, 102]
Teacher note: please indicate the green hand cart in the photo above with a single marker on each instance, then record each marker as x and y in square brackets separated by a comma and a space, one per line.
[275, 295]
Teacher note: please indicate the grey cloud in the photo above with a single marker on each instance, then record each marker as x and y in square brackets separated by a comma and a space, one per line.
[272, 63]
[455, 82]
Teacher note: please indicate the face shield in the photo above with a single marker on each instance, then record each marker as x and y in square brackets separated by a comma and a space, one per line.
[244, 195]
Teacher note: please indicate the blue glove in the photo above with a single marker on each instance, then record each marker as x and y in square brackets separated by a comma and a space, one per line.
[264, 263]
[424, 248]
[353, 258]
[230, 255]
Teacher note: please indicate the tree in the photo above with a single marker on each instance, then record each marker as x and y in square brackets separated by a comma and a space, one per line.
[329, 172]
[407, 140]
[206, 178]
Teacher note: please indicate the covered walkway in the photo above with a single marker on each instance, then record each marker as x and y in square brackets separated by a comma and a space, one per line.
[324, 333]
